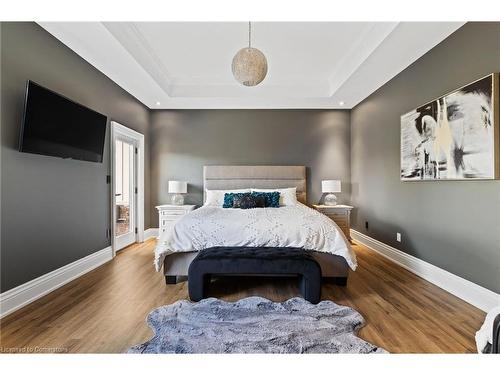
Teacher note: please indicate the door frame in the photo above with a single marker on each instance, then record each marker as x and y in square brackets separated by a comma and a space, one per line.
[116, 131]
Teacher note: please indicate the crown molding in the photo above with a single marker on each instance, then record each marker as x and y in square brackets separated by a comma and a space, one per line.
[368, 42]
[131, 38]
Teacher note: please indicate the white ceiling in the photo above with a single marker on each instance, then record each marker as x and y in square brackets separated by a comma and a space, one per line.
[310, 64]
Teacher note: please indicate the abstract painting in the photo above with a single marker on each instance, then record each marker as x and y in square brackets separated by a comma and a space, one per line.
[455, 137]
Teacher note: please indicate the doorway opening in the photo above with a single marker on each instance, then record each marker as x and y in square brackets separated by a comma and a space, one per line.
[127, 150]
[125, 188]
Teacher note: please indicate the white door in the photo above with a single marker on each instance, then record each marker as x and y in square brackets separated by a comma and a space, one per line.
[125, 186]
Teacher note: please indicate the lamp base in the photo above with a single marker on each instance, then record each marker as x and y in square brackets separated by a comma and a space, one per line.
[330, 200]
[177, 199]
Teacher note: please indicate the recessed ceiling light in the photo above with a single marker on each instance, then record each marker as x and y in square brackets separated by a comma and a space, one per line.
[341, 103]
[158, 103]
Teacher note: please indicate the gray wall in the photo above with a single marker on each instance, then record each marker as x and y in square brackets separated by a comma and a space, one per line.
[453, 225]
[54, 211]
[183, 141]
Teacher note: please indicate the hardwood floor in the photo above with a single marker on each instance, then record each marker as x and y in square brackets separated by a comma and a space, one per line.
[104, 311]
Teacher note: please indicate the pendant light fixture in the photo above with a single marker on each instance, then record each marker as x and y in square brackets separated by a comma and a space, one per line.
[249, 64]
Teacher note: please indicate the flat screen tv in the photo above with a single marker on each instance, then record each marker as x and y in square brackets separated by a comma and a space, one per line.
[56, 126]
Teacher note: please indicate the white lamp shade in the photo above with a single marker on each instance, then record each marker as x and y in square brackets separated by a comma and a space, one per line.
[177, 187]
[330, 186]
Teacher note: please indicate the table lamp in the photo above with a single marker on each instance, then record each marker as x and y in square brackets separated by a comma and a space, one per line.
[177, 188]
[330, 187]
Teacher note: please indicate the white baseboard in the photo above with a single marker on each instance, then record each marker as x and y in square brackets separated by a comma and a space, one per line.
[20, 296]
[150, 233]
[474, 294]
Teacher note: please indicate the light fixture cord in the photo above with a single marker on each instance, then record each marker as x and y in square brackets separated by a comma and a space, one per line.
[249, 34]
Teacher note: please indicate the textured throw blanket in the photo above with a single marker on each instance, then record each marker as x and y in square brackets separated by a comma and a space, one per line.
[255, 325]
[289, 226]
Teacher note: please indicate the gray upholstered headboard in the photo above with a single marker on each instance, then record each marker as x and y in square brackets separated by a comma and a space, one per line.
[224, 177]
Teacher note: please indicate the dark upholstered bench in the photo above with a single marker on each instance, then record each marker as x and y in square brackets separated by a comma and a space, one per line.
[265, 261]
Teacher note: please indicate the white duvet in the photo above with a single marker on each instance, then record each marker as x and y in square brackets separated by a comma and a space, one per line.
[289, 226]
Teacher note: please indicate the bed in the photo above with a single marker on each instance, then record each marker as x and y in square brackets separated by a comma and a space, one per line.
[176, 250]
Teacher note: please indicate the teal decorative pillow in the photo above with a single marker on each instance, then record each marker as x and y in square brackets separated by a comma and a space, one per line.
[272, 199]
[247, 200]
[228, 200]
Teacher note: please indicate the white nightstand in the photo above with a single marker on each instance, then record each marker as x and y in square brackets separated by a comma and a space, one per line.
[341, 214]
[169, 213]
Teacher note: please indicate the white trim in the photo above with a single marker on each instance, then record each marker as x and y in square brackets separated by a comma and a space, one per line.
[117, 130]
[22, 295]
[150, 233]
[474, 294]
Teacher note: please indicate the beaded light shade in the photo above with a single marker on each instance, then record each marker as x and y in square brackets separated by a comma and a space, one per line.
[249, 64]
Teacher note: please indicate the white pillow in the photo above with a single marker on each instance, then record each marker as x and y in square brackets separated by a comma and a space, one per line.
[216, 197]
[288, 196]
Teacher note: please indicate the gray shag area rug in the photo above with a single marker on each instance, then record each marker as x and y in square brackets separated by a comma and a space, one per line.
[255, 325]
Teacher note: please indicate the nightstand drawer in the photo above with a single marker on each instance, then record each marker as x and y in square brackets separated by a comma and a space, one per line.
[340, 223]
[331, 211]
[167, 221]
[172, 212]
[340, 215]
[170, 217]
[337, 217]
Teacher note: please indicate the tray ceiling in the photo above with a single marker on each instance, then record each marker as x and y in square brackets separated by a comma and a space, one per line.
[310, 64]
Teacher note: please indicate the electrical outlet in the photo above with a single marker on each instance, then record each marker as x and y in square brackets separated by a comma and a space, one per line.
[398, 237]
[366, 225]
